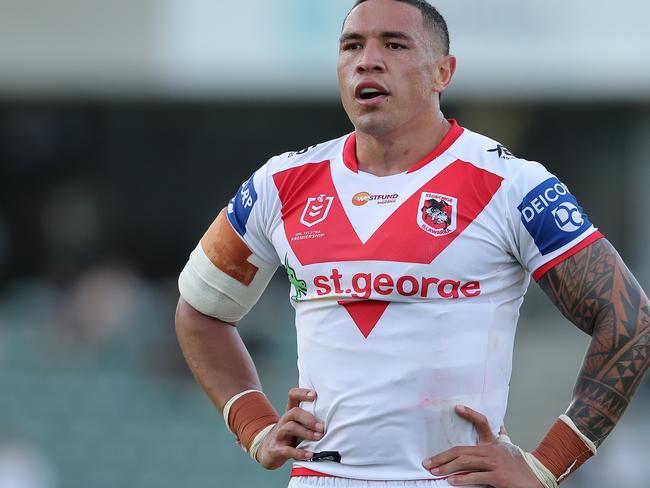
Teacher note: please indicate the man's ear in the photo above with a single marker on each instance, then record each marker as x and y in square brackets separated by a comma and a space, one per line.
[444, 72]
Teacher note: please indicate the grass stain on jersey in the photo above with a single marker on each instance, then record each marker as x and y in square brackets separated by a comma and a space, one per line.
[300, 286]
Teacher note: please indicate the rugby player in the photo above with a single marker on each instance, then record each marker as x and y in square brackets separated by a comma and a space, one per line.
[408, 245]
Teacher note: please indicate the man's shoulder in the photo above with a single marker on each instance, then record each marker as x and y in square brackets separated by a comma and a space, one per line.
[491, 155]
[315, 153]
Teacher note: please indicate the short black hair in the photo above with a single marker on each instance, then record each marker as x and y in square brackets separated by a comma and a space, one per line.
[432, 19]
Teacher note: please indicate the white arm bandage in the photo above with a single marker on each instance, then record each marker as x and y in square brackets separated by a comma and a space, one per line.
[215, 293]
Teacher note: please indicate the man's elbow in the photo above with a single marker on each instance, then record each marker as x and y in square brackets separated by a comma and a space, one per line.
[183, 317]
[189, 320]
[180, 317]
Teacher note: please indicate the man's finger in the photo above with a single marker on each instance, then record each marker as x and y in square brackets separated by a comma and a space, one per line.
[485, 435]
[503, 430]
[451, 454]
[292, 430]
[463, 464]
[482, 478]
[294, 453]
[297, 395]
[303, 417]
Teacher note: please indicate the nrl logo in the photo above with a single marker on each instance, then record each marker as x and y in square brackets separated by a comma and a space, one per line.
[316, 210]
[437, 213]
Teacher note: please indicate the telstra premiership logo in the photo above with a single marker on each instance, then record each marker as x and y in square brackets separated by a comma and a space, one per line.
[316, 210]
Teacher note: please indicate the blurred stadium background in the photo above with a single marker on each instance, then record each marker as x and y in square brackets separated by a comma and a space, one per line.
[124, 128]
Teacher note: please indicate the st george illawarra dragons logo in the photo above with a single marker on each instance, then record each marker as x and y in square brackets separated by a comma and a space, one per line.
[437, 213]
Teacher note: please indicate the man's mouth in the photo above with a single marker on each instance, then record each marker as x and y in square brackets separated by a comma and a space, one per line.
[370, 93]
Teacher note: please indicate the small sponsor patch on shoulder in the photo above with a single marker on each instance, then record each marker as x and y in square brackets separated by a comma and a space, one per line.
[241, 205]
[552, 216]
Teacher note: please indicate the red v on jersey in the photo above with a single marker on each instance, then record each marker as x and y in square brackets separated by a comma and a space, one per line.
[365, 313]
[400, 238]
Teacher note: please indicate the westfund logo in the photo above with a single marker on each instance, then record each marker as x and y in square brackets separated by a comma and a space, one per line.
[364, 197]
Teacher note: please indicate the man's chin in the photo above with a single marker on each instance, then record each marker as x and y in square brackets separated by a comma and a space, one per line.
[374, 124]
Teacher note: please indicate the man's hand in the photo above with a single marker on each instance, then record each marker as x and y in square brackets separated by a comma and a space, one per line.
[492, 462]
[295, 425]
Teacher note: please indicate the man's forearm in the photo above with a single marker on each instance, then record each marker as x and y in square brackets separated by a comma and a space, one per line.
[216, 354]
[595, 290]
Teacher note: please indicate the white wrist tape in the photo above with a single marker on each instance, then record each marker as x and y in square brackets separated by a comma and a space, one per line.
[544, 476]
[505, 438]
[257, 442]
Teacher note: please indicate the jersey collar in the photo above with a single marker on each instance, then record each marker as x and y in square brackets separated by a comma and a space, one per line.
[350, 149]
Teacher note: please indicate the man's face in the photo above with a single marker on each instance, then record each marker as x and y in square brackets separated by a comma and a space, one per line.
[387, 67]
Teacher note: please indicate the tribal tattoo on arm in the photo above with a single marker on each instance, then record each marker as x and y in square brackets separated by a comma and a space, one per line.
[595, 290]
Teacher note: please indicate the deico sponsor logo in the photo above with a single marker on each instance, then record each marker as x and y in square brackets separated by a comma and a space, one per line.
[552, 215]
[363, 285]
[364, 197]
[544, 200]
[568, 217]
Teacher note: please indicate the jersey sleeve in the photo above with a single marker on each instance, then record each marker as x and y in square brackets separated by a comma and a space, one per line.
[249, 213]
[548, 224]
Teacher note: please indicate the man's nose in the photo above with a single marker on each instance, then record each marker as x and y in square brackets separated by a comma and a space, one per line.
[371, 58]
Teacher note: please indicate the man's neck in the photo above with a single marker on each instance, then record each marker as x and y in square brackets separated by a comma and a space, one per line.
[397, 152]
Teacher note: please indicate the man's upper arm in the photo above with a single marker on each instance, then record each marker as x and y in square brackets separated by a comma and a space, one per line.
[595, 290]
[593, 286]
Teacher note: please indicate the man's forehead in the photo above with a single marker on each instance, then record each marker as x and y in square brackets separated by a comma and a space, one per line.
[374, 17]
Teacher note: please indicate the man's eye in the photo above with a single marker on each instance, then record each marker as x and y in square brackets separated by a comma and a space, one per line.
[352, 46]
[393, 46]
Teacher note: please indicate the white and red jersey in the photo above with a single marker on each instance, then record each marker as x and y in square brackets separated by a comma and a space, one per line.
[406, 288]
